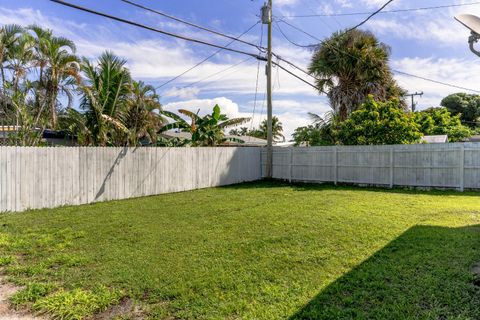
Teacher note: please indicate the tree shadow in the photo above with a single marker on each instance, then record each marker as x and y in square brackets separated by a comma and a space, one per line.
[426, 273]
[298, 186]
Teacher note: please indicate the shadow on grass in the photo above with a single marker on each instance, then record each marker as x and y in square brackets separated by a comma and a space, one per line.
[297, 186]
[426, 273]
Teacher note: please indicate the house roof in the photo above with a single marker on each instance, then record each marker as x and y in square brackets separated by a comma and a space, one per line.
[248, 141]
[435, 139]
[475, 138]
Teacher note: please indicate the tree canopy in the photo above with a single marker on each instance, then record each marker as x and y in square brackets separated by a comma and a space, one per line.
[377, 123]
[350, 66]
[439, 121]
[466, 105]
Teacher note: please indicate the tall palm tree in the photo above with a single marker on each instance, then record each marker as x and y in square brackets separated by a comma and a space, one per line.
[59, 68]
[105, 92]
[350, 66]
[9, 35]
[207, 130]
[19, 58]
[142, 116]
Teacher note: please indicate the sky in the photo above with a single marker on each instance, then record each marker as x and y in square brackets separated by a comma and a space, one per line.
[427, 43]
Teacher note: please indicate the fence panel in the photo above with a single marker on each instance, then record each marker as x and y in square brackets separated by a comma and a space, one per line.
[33, 178]
[454, 165]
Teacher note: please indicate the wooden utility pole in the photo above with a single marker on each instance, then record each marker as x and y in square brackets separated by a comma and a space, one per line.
[412, 95]
[267, 17]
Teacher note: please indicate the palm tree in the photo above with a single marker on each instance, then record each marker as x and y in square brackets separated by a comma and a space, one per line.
[350, 66]
[243, 131]
[142, 116]
[9, 35]
[105, 93]
[277, 130]
[205, 131]
[59, 68]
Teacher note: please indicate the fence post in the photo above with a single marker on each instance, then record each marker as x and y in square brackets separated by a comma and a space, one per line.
[290, 167]
[462, 167]
[336, 164]
[392, 167]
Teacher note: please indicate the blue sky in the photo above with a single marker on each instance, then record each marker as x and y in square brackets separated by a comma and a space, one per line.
[426, 43]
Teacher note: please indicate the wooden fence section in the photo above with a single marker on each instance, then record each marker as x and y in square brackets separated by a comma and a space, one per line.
[32, 178]
[454, 165]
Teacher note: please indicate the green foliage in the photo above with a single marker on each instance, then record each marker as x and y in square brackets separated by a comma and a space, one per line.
[313, 135]
[7, 260]
[277, 130]
[77, 304]
[438, 121]
[39, 71]
[267, 252]
[262, 131]
[377, 123]
[349, 66]
[464, 104]
[205, 131]
[32, 292]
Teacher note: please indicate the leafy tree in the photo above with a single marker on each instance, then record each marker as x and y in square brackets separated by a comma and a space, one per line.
[205, 131]
[349, 66]
[321, 133]
[377, 123]
[439, 121]
[466, 105]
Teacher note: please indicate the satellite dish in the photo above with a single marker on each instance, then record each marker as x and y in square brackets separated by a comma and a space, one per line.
[473, 23]
[470, 21]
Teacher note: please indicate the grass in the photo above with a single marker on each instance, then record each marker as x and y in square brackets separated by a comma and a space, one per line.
[254, 251]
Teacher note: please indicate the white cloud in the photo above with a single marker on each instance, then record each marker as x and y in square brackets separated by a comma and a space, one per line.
[183, 93]
[461, 72]
[291, 113]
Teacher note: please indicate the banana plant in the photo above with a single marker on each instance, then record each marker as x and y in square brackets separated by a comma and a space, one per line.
[205, 131]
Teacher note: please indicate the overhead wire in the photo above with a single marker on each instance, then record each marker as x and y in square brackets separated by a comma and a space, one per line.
[256, 83]
[393, 70]
[384, 11]
[193, 24]
[217, 73]
[206, 59]
[167, 33]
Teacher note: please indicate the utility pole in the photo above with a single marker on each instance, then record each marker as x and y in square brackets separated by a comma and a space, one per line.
[267, 17]
[412, 95]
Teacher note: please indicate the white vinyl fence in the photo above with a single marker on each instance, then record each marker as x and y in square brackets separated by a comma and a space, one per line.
[454, 165]
[32, 178]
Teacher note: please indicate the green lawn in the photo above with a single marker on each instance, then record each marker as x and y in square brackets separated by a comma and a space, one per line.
[253, 251]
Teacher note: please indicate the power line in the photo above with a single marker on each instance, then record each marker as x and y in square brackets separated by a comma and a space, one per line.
[395, 71]
[369, 17]
[383, 12]
[136, 24]
[216, 73]
[206, 59]
[192, 24]
[256, 83]
[296, 76]
[435, 81]
[288, 39]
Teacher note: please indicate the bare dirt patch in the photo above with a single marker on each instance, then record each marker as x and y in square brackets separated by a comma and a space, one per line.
[6, 313]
